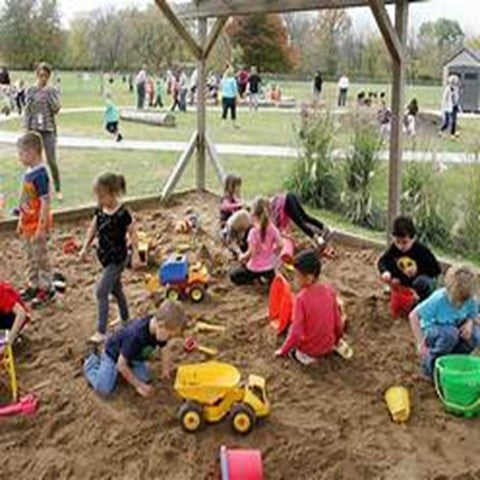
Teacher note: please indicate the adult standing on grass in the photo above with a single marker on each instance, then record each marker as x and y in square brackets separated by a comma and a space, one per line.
[450, 106]
[42, 104]
[229, 88]
[318, 84]
[343, 86]
[141, 84]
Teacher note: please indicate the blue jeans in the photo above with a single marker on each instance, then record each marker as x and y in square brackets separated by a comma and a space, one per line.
[444, 340]
[424, 286]
[101, 373]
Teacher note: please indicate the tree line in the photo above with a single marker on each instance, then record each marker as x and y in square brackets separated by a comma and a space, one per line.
[299, 43]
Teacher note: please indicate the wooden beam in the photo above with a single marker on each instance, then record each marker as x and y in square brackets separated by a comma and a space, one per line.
[219, 8]
[398, 101]
[180, 28]
[387, 29]
[213, 36]
[201, 106]
[215, 159]
[179, 167]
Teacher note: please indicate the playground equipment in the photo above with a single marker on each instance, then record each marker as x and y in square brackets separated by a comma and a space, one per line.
[457, 382]
[398, 403]
[26, 405]
[149, 118]
[212, 390]
[241, 464]
[183, 280]
[280, 303]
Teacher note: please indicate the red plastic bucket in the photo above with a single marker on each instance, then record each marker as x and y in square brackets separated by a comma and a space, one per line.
[287, 252]
[402, 300]
[241, 464]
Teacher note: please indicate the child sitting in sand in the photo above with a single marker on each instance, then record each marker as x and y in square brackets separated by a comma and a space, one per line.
[235, 233]
[287, 207]
[408, 262]
[125, 351]
[264, 246]
[317, 324]
[446, 322]
[112, 118]
[230, 202]
[112, 223]
[13, 312]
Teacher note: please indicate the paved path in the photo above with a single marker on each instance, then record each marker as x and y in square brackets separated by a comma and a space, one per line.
[10, 138]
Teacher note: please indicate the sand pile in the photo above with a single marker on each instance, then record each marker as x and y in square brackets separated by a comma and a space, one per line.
[327, 422]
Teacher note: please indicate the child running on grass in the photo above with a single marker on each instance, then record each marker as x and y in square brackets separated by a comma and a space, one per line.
[35, 221]
[264, 246]
[126, 351]
[14, 313]
[317, 324]
[112, 118]
[111, 224]
[446, 323]
[286, 208]
[230, 202]
[408, 262]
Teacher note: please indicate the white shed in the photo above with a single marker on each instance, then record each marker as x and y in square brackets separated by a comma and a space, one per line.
[466, 65]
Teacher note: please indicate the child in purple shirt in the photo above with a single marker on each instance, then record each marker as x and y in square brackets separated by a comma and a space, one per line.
[264, 246]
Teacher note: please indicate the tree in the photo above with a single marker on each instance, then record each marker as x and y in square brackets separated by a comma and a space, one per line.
[264, 42]
[30, 32]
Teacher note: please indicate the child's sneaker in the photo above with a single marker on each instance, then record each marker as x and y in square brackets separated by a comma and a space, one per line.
[119, 137]
[28, 294]
[43, 298]
[97, 338]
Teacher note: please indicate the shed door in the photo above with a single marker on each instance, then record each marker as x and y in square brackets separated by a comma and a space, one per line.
[470, 91]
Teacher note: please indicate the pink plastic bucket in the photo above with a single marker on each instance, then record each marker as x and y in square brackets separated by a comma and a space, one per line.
[241, 464]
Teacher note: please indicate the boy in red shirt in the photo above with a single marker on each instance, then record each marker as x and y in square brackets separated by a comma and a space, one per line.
[317, 324]
[13, 312]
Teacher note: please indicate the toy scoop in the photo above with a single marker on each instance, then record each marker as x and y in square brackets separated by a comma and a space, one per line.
[398, 403]
[344, 349]
[191, 345]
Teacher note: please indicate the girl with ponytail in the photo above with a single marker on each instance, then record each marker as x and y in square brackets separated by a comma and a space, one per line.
[264, 247]
[112, 224]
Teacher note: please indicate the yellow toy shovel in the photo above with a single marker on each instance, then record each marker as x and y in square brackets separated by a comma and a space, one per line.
[398, 403]
[208, 327]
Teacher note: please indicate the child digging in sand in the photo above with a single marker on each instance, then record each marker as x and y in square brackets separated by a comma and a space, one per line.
[446, 323]
[125, 351]
[264, 247]
[231, 201]
[111, 224]
[408, 262]
[35, 220]
[317, 324]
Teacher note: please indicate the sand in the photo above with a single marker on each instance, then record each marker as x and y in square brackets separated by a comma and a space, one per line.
[328, 421]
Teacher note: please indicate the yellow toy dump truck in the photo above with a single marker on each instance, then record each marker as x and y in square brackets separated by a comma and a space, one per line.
[212, 390]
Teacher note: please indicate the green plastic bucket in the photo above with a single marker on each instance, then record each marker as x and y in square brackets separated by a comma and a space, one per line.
[457, 381]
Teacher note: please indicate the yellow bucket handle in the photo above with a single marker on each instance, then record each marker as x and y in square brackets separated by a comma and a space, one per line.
[438, 388]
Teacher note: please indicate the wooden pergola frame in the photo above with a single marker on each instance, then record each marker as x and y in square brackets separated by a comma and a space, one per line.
[394, 34]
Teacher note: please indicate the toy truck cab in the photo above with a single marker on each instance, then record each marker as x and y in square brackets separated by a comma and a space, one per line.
[212, 390]
[182, 279]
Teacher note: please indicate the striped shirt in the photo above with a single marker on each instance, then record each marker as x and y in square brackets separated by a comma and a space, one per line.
[41, 107]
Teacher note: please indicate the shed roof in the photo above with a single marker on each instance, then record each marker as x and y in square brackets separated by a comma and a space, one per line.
[474, 54]
[218, 8]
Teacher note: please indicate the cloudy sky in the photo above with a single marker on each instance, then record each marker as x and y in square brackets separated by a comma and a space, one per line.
[465, 11]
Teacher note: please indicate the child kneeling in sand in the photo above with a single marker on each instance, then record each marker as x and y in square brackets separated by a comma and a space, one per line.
[13, 312]
[317, 324]
[125, 351]
[445, 323]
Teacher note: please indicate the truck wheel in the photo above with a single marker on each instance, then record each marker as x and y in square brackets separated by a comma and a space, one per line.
[197, 293]
[172, 294]
[191, 417]
[242, 418]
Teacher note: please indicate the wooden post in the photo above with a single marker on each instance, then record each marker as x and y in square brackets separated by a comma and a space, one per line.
[201, 106]
[398, 100]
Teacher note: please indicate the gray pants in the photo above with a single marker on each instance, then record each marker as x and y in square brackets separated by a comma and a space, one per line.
[110, 283]
[38, 265]
[50, 146]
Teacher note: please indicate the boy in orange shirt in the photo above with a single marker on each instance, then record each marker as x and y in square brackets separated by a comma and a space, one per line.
[35, 220]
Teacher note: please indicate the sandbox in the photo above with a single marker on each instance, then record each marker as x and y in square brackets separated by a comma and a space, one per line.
[328, 421]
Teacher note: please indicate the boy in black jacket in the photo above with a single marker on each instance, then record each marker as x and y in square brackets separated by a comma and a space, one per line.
[408, 262]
